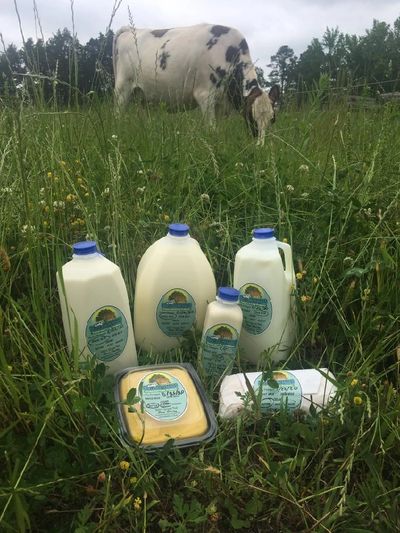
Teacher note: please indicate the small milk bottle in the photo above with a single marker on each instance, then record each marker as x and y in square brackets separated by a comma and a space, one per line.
[266, 286]
[174, 284]
[222, 325]
[95, 308]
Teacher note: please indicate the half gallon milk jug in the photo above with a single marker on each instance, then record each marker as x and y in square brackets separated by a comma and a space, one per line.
[94, 303]
[220, 339]
[174, 283]
[266, 287]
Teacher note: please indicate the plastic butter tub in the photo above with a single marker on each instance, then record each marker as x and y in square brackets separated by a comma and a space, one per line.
[293, 390]
[171, 404]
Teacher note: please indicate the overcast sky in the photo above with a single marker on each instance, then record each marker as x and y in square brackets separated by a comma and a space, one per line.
[267, 24]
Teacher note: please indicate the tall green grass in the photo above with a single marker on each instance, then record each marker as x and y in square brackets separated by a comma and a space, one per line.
[329, 182]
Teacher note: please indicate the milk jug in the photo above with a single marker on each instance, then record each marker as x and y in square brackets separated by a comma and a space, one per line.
[266, 286]
[95, 308]
[220, 339]
[174, 283]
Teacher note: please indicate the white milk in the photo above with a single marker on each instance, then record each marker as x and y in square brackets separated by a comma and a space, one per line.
[220, 339]
[295, 390]
[266, 299]
[174, 284]
[94, 304]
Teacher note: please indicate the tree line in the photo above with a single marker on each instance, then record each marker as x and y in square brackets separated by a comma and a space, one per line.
[63, 70]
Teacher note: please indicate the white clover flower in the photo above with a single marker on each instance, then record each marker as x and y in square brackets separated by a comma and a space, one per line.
[6, 190]
[140, 189]
[58, 204]
[289, 188]
[42, 202]
[304, 168]
[42, 191]
[262, 172]
[205, 197]
[26, 227]
[114, 137]
[305, 195]
[140, 172]
[239, 164]
[106, 192]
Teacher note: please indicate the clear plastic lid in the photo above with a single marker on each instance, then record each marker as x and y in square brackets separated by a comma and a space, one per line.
[264, 233]
[170, 403]
[178, 230]
[84, 248]
[229, 294]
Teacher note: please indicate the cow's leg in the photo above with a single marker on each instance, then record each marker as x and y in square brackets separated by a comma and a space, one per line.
[123, 90]
[206, 101]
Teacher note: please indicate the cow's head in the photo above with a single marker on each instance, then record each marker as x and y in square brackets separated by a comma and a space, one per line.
[259, 110]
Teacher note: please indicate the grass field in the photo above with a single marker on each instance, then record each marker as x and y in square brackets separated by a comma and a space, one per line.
[328, 181]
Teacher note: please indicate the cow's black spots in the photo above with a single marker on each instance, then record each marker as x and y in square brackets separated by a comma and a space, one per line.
[218, 76]
[165, 44]
[216, 32]
[232, 54]
[234, 89]
[250, 84]
[160, 33]
[163, 59]
[243, 46]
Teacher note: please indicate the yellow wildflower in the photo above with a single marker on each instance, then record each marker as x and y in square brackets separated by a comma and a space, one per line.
[79, 180]
[299, 276]
[63, 163]
[284, 239]
[86, 194]
[357, 400]
[166, 218]
[315, 280]
[137, 504]
[354, 382]
[305, 298]
[45, 224]
[133, 480]
[70, 197]
[49, 174]
[124, 465]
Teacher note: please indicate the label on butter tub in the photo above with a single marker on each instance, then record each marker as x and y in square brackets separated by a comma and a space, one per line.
[287, 393]
[163, 395]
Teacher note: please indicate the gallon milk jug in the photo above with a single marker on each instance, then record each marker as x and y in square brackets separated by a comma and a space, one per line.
[220, 339]
[95, 308]
[266, 286]
[174, 284]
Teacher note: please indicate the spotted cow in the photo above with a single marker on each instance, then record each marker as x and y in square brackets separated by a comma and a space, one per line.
[205, 65]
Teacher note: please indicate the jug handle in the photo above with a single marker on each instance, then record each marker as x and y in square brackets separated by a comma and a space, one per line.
[289, 269]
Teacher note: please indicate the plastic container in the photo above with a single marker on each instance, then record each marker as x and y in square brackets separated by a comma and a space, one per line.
[266, 286]
[174, 283]
[170, 403]
[95, 308]
[220, 339]
[296, 390]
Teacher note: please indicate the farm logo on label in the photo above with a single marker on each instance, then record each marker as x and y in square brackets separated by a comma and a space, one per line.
[287, 394]
[163, 395]
[257, 308]
[107, 333]
[176, 312]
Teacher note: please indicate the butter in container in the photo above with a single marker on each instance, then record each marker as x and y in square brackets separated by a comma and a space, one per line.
[172, 405]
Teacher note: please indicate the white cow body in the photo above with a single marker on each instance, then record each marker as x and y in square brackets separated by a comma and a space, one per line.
[206, 65]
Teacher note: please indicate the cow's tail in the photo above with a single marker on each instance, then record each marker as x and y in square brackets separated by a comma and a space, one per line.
[114, 48]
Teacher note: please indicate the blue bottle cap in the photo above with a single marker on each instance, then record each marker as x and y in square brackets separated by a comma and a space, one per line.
[263, 233]
[178, 230]
[229, 294]
[84, 248]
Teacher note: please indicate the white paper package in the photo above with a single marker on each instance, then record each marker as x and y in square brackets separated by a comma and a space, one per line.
[297, 390]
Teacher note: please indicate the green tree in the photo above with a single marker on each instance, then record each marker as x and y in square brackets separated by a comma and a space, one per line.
[282, 67]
